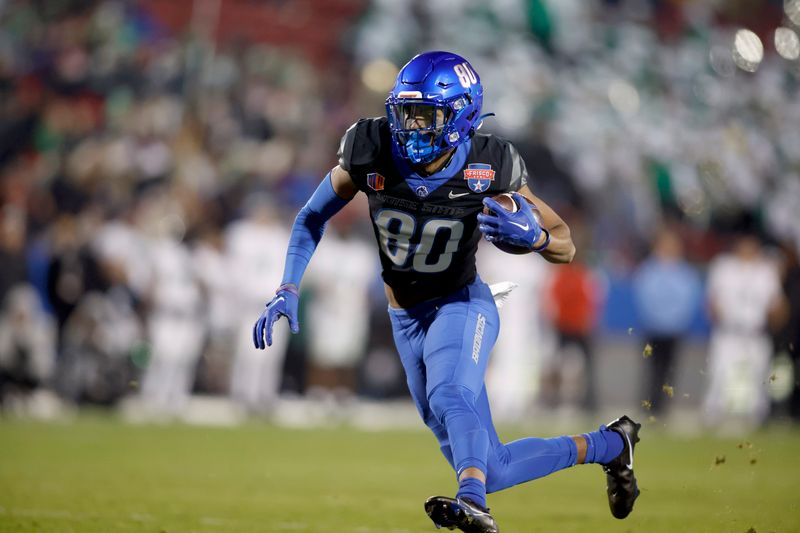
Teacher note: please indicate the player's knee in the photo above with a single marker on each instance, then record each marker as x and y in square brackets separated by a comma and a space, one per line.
[433, 423]
[450, 398]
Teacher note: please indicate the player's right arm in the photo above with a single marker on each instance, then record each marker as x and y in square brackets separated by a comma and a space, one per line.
[342, 183]
[332, 194]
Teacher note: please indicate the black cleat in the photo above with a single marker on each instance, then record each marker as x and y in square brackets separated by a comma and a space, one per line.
[460, 513]
[620, 481]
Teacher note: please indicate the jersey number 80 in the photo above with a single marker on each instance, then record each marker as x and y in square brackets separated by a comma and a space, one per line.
[396, 228]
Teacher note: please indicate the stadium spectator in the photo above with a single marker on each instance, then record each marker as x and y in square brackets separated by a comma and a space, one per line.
[668, 294]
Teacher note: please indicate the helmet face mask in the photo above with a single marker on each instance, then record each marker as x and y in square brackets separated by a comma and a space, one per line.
[420, 127]
[434, 106]
[421, 115]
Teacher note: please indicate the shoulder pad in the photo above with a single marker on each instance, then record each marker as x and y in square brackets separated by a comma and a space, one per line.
[502, 151]
[519, 172]
[361, 143]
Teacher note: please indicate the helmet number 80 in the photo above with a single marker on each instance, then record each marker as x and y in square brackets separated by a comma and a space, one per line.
[466, 76]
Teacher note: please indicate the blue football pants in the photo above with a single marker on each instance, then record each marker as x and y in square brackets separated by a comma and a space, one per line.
[444, 346]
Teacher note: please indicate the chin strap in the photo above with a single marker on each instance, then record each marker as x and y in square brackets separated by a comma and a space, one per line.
[480, 119]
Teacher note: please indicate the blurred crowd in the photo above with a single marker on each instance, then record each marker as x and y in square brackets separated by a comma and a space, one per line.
[149, 178]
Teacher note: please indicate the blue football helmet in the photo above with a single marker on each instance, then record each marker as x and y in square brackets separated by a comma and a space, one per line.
[434, 106]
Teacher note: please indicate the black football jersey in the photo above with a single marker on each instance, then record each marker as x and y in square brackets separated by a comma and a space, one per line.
[427, 228]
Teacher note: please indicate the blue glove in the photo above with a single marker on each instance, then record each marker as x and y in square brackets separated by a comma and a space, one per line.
[283, 304]
[518, 229]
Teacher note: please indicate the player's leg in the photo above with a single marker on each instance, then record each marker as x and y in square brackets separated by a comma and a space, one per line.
[456, 365]
[721, 350]
[456, 353]
[408, 329]
[531, 458]
[525, 459]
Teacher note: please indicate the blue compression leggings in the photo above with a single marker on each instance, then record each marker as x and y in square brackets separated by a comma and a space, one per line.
[444, 346]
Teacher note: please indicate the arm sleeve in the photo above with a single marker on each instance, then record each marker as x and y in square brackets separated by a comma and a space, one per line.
[309, 225]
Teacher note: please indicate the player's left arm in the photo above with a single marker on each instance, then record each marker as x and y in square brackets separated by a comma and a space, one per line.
[560, 249]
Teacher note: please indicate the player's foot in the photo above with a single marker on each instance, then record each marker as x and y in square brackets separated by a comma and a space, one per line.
[620, 481]
[460, 513]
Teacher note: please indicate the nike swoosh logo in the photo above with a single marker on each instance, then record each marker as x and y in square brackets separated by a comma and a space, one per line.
[454, 196]
[523, 227]
[630, 452]
[475, 512]
[279, 299]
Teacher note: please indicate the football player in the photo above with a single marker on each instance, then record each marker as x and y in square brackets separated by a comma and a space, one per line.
[428, 174]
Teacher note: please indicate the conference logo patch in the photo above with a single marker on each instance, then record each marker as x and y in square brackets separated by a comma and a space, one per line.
[479, 176]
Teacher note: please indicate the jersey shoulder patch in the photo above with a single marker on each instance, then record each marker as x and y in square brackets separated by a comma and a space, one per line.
[362, 143]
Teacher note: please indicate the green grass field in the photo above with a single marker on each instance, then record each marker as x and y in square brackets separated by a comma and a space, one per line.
[99, 475]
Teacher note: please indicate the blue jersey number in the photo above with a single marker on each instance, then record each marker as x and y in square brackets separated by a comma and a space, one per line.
[396, 228]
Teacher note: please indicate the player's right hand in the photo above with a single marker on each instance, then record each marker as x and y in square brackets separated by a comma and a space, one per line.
[283, 304]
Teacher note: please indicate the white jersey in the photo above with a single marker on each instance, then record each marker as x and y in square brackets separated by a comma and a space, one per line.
[124, 244]
[340, 274]
[742, 292]
[175, 289]
[212, 269]
[256, 253]
[255, 257]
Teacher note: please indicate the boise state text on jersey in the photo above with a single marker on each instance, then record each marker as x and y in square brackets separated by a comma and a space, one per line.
[426, 226]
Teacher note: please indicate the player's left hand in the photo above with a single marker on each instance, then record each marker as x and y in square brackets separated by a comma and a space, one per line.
[285, 304]
[519, 228]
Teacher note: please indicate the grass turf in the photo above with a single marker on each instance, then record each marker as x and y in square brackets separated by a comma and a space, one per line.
[98, 475]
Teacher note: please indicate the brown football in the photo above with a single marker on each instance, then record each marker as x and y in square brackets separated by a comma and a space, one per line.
[507, 202]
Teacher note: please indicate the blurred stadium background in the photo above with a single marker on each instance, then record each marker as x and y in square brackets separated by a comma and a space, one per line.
[153, 155]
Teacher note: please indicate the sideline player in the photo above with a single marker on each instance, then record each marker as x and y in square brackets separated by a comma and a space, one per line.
[427, 175]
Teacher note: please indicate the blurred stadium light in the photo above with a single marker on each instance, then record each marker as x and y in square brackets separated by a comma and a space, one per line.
[747, 50]
[787, 43]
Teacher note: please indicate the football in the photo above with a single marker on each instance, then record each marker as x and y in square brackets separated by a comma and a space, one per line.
[507, 202]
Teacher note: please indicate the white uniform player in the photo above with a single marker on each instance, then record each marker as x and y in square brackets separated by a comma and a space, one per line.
[254, 248]
[342, 272]
[174, 326]
[743, 288]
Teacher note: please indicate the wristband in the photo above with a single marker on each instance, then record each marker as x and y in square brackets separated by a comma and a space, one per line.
[542, 247]
[288, 287]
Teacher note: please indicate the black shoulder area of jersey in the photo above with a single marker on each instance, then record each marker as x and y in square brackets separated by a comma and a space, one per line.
[489, 144]
[362, 143]
[514, 174]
